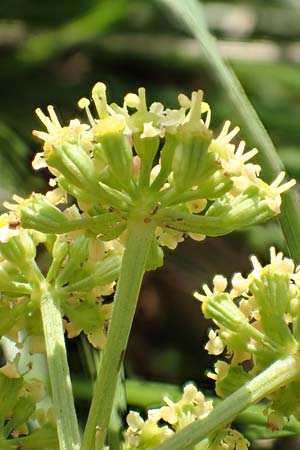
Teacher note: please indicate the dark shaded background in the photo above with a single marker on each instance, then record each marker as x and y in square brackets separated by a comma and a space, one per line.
[53, 53]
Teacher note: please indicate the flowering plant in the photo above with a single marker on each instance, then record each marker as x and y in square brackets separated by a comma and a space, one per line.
[124, 185]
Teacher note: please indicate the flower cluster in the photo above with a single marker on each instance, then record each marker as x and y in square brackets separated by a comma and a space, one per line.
[155, 166]
[163, 422]
[79, 269]
[164, 164]
[83, 269]
[257, 322]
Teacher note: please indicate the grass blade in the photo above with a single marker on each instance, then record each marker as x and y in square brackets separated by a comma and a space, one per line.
[190, 14]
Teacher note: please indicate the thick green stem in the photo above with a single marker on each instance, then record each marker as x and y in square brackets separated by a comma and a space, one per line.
[140, 234]
[280, 373]
[67, 426]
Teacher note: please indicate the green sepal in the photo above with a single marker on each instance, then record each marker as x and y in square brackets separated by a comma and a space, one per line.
[211, 187]
[224, 216]
[113, 197]
[59, 253]
[247, 208]
[77, 192]
[39, 214]
[19, 250]
[146, 148]
[190, 159]
[166, 160]
[272, 295]
[190, 223]
[155, 256]
[108, 179]
[104, 195]
[100, 158]
[119, 157]
[224, 312]
[77, 253]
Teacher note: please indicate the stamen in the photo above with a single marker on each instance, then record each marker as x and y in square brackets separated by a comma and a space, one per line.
[286, 186]
[224, 131]
[195, 112]
[45, 120]
[132, 100]
[41, 135]
[142, 97]
[240, 149]
[208, 118]
[249, 155]
[272, 253]
[84, 103]
[231, 135]
[184, 101]
[277, 180]
[99, 97]
[207, 291]
[256, 264]
[276, 184]
[53, 116]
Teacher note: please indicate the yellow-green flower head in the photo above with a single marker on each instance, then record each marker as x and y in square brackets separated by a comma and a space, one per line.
[56, 134]
[164, 164]
[257, 319]
[163, 422]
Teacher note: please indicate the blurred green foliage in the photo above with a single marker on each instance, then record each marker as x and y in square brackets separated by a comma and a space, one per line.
[53, 52]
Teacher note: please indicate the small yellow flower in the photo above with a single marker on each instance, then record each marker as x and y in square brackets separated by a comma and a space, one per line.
[57, 135]
[215, 345]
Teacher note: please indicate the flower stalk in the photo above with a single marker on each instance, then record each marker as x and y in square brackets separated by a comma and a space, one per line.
[279, 374]
[67, 425]
[140, 234]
